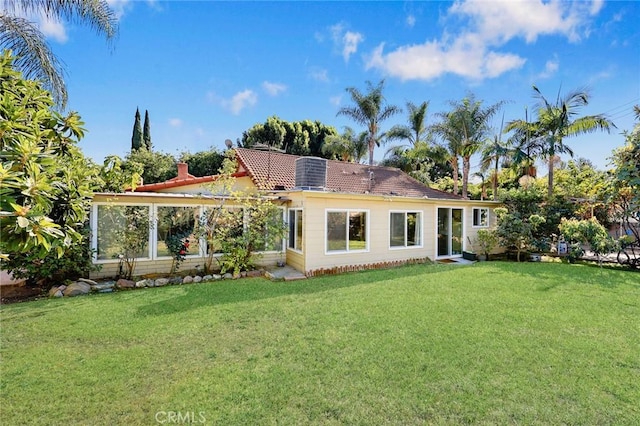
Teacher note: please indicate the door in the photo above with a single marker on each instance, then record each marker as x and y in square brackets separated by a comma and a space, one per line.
[450, 226]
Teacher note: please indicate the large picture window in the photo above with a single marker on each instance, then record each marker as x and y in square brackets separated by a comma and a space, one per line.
[347, 231]
[122, 231]
[295, 229]
[405, 229]
[175, 225]
[480, 217]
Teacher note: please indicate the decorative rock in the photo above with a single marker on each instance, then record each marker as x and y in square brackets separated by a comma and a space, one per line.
[142, 284]
[62, 287]
[53, 291]
[187, 280]
[57, 294]
[243, 274]
[254, 274]
[236, 276]
[76, 289]
[227, 276]
[123, 284]
[88, 281]
[175, 280]
[150, 283]
[100, 287]
[217, 276]
[161, 282]
[207, 278]
[197, 279]
[106, 290]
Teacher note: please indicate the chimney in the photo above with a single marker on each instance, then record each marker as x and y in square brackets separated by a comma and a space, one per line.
[183, 171]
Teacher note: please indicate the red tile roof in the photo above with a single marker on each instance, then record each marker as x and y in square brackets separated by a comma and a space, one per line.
[279, 170]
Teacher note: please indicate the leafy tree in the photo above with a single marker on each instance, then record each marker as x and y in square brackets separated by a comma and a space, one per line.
[426, 162]
[557, 121]
[146, 131]
[33, 55]
[46, 183]
[516, 230]
[203, 163]
[346, 147]
[416, 131]
[157, 166]
[591, 232]
[369, 110]
[117, 176]
[464, 128]
[136, 138]
[298, 138]
[493, 152]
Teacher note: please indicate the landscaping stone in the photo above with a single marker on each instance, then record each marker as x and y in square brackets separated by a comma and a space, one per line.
[76, 289]
[197, 279]
[162, 282]
[243, 274]
[88, 281]
[142, 284]
[217, 276]
[100, 287]
[62, 287]
[123, 284]
[187, 280]
[151, 283]
[207, 278]
[106, 290]
[175, 280]
[53, 291]
[57, 294]
[227, 276]
[254, 274]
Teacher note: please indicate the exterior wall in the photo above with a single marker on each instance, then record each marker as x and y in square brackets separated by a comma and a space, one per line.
[240, 184]
[378, 208]
[472, 231]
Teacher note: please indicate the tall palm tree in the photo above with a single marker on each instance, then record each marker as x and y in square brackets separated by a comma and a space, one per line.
[492, 153]
[347, 147]
[416, 131]
[33, 55]
[464, 128]
[369, 110]
[557, 121]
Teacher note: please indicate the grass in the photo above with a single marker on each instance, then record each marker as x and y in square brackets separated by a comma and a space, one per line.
[491, 343]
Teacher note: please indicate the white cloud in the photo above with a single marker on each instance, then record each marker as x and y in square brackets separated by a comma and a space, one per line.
[411, 21]
[53, 29]
[550, 68]
[474, 52]
[240, 101]
[119, 7]
[273, 89]
[319, 74]
[336, 100]
[175, 122]
[346, 42]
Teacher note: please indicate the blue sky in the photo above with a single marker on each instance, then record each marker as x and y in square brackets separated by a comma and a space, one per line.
[207, 71]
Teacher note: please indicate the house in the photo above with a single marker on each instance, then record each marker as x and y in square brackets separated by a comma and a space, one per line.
[339, 215]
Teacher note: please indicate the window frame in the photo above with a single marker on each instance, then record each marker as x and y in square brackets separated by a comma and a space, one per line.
[347, 212]
[298, 214]
[94, 231]
[420, 221]
[473, 217]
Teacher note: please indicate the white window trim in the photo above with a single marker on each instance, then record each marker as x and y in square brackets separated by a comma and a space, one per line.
[94, 231]
[406, 247]
[347, 211]
[301, 249]
[473, 217]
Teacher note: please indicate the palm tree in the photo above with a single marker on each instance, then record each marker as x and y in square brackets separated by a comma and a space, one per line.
[369, 110]
[492, 153]
[347, 147]
[464, 128]
[416, 131]
[33, 56]
[556, 122]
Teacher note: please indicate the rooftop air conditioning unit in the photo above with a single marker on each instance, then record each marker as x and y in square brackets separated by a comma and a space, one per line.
[311, 173]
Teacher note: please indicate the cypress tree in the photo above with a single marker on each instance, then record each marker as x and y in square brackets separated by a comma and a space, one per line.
[136, 138]
[146, 133]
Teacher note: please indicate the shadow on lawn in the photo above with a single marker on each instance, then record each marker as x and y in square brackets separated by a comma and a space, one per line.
[250, 289]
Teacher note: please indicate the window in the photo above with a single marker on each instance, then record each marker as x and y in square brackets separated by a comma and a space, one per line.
[405, 229]
[121, 230]
[295, 229]
[346, 231]
[263, 223]
[176, 224]
[480, 217]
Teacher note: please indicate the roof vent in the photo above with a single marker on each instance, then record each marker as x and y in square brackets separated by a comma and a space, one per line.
[311, 173]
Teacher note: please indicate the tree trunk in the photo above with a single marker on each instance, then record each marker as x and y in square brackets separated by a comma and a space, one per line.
[454, 165]
[466, 165]
[372, 145]
[495, 182]
[550, 182]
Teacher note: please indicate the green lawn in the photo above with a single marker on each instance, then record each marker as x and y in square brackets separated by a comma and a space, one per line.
[492, 343]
